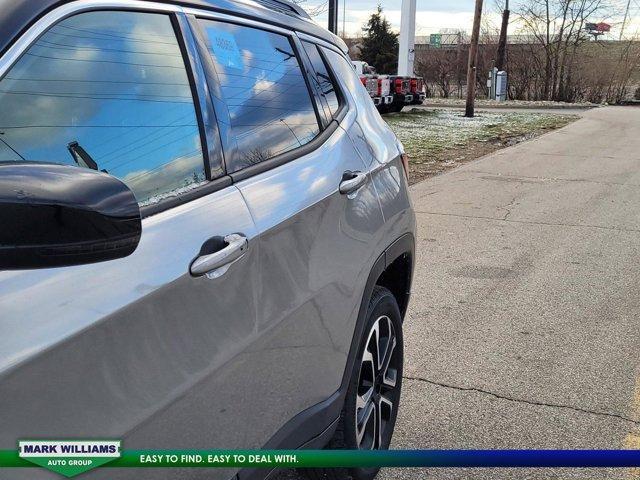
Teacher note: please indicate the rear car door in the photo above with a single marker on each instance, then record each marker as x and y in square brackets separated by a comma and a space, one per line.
[314, 207]
[149, 348]
[379, 149]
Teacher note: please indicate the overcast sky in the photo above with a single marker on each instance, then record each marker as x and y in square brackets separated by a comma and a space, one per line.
[432, 15]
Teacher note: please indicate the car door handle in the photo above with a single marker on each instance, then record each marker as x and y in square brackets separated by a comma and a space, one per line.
[236, 246]
[352, 181]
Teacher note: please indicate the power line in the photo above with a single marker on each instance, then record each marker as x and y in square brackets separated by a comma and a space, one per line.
[66, 46]
[66, 59]
[93, 81]
[11, 148]
[88, 97]
[94, 126]
[129, 38]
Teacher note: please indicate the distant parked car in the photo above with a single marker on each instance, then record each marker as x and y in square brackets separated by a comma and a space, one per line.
[370, 83]
[401, 91]
[417, 90]
[363, 68]
[384, 92]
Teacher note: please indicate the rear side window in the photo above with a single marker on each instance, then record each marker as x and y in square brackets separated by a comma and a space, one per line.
[107, 91]
[322, 79]
[270, 110]
[344, 70]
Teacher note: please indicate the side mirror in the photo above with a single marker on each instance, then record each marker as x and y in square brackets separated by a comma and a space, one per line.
[58, 215]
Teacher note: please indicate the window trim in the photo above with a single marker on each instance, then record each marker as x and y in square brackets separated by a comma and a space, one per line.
[343, 104]
[342, 95]
[311, 72]
[168, 203]
[228, 144]
[319, 41]
[212, 152]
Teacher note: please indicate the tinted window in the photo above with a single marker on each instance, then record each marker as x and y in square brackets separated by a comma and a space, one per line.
[106, 90]
[322, 79]
[269, 107]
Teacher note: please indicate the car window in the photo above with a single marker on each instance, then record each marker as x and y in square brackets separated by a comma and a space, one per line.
[270, 110]
[322, 78]
[108, 91]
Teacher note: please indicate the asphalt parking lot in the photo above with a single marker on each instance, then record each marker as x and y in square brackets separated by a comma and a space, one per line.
[523, 329]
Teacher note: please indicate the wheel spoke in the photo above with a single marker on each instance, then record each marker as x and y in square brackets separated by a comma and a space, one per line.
[361, 426]
[388, 354]
[386, 403]
[374, 341]
[367, 357]
[390, 378]
[363, 400]
[384, 410]
[379, 424]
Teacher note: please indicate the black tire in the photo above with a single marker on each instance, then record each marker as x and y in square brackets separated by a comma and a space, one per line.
[382, 307]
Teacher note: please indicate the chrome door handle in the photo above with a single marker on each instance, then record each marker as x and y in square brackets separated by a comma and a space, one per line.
[237, 245]
[352, 181]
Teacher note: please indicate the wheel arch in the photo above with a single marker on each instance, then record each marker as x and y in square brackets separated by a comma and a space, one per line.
[313, 427]
[397, 275]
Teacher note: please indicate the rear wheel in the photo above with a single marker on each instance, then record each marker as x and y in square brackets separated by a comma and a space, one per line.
[371, 405]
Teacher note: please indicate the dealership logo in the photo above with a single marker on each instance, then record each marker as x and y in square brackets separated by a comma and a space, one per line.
[69, 457]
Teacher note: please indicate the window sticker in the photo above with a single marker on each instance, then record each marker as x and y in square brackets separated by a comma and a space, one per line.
[225, 49]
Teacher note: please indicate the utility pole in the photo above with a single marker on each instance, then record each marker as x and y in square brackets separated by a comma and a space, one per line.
[459, 64]
[407, 39]
[473, 60]
[344, 18]
[333, 16]
[501, 58]
[624, 22]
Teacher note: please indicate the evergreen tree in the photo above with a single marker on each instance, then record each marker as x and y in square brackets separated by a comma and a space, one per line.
[380, 45]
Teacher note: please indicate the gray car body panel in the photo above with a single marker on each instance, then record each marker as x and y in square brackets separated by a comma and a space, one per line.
[138, 349]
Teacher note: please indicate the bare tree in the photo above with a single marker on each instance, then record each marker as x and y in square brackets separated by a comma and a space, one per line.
[440, 68]
[557, 32]
[551, 56]
[313, 11]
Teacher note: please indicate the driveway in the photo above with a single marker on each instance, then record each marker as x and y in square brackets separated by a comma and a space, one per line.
[524, 324]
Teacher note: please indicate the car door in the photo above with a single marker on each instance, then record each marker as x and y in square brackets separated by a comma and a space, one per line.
[151, 348]
[314, 208]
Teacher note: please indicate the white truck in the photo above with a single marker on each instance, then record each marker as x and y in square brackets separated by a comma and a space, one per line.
[378, 86]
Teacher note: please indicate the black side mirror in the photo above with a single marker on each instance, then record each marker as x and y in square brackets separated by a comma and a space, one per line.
[59, 215]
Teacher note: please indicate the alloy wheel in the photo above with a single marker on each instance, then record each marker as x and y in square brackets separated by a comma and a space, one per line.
[377, 394]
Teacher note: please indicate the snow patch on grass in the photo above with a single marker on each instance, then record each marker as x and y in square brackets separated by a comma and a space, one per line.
[427, 133]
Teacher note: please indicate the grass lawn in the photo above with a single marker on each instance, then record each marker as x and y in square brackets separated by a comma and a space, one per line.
[438, 140]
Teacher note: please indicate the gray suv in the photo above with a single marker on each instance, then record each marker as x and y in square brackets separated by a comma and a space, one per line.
[206, 237]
